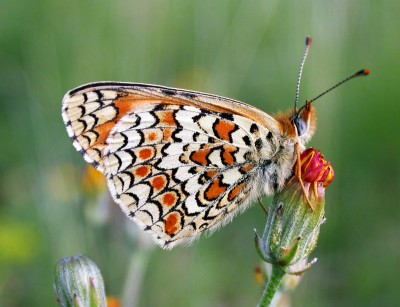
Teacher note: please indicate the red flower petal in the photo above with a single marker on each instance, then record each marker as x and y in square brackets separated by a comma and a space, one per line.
[314, 168]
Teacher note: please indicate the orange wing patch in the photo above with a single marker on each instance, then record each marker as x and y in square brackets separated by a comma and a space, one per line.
[227, 157]
[223, 130]
[146, 153]
[167, 118]
[159, 182]
[172, 224]
[124, 105]
[142, 171]
[235, 192]
[200, 157]
[167, 134]
[215, 189]
[152, 136]
[169, 199]
[103, 131]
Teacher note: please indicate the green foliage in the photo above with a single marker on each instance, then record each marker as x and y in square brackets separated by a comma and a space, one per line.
[247, 50]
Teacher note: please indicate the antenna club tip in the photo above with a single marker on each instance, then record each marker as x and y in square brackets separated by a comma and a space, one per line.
[362, 72]
[308, 41]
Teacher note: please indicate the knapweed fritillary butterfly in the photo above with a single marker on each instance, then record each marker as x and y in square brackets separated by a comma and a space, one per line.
[180, 162]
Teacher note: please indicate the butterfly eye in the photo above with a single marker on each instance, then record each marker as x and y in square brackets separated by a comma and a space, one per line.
[300, 125]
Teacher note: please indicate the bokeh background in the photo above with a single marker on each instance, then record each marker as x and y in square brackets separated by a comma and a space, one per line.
[52, 207]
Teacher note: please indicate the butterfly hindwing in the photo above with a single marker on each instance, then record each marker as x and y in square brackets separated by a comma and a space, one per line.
[180, 170]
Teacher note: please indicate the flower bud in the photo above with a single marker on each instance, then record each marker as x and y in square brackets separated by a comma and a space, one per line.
[296, 214]
[78, 282]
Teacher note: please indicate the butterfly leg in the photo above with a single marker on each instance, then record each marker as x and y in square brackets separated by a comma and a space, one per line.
[298, 175]
[262, 205]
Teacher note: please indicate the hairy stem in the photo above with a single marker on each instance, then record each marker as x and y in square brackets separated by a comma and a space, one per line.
[272, 285]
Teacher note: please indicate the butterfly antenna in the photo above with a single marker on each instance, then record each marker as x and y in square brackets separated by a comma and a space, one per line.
[363, 72]
[308, 44]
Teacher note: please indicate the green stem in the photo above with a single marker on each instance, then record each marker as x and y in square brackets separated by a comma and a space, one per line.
[272, 285]
[136, 271]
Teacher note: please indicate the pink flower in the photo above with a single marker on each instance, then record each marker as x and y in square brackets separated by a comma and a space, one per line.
[314, 168]
[315, 171]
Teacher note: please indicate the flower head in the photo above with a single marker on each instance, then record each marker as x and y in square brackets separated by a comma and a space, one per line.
[315, 170]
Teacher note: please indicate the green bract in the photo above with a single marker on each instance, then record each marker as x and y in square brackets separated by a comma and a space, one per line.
[292, 229]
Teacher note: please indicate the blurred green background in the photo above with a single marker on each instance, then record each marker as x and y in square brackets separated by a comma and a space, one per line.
[247, 50]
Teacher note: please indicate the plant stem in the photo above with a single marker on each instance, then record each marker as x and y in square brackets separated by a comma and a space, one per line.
[272, 285]
[136, 271]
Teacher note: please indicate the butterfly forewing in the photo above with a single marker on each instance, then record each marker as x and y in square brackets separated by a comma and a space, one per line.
[91, 111]
[177, 162]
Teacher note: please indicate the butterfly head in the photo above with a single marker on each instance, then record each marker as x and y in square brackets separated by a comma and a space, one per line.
[304, 121]
[298, 126]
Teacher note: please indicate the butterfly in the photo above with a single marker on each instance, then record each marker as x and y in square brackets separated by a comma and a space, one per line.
[180, 162]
